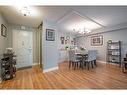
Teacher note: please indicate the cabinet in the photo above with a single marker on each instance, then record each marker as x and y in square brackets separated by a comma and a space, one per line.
[114, 52]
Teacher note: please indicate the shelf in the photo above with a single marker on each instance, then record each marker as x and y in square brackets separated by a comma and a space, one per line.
[113, 55]
[113, 62]
[114, 52]
[113, 49]
[114, 42]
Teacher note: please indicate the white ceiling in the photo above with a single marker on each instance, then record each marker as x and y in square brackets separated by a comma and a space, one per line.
[13, 16]
[75, 21]
[105, 15]
[64, 15]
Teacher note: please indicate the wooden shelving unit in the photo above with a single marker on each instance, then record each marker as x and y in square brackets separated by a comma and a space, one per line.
[114, 52]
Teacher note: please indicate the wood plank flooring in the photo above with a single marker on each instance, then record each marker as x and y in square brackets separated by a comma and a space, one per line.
[102, 77]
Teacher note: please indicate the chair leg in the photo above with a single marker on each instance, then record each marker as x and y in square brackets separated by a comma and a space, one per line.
[91, 63]
[69, 64]
[87, 65]
[126, 66]
[95, 63]
[77, 64]
[81, 65]
[74, 65]
[123, 67]
[84, 64]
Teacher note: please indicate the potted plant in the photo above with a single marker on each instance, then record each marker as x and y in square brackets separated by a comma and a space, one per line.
[109, 41]
[66, 47]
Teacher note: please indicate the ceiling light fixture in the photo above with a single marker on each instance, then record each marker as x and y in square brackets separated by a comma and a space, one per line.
[25, 10]
[82, 31]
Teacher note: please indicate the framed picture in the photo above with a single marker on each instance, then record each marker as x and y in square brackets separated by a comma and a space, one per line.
[74, 39]
[62, 40]
[67, 37]
[97, 40]
[50, 35]
[65, 41]
[72, 42]
[3, 30]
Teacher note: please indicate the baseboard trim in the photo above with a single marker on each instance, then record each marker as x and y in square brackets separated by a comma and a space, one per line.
[63, 61]
[22, 68]
[99, 61]
[35, 64]
[50, 69]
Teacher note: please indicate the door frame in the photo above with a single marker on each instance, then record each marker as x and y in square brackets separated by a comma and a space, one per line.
[40, 31]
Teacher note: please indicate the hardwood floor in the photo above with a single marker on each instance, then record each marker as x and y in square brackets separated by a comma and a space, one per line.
[101, 77]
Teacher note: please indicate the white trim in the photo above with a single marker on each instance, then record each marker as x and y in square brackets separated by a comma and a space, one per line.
[101, 61]
[105, 62]
[84, 17]
[35, 64]
[50, 69]
[67, 14]
[72, 11]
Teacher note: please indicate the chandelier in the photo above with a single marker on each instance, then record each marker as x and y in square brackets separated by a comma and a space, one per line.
[82, 30]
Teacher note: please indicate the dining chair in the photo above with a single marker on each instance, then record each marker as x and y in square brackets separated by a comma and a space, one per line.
[91, 58]
[73, 59]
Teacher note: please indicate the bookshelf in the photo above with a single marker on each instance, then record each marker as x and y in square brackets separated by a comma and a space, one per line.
[114, 52]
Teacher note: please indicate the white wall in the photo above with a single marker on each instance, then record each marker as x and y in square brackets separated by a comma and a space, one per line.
[3, 40]
[61, 34]
[115, 35]
[49, 48]
[63, 54]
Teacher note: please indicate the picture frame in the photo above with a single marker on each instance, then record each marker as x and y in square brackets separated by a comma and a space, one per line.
[97, 40]
[50, 35]
[65, 41]
[3, 30]
[74, 39]
[67, 37]
[62, 40]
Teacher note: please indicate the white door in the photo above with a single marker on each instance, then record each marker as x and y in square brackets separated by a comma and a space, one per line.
[23, 47]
